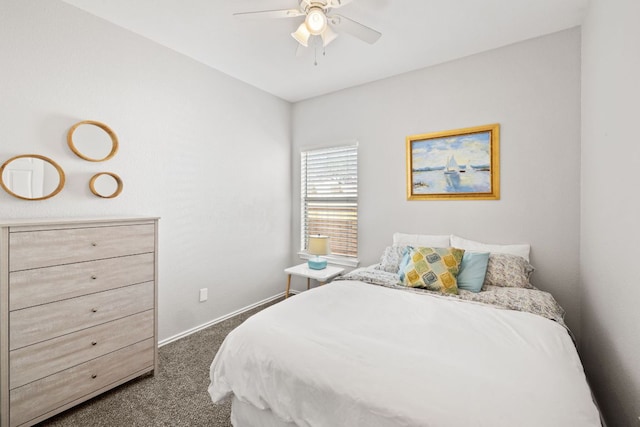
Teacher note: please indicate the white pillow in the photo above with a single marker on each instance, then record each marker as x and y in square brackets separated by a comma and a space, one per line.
[471, 245]
[426, 240]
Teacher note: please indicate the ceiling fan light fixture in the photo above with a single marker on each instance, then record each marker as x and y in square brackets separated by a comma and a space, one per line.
[316, 21]
[302, 35]
[328, 35]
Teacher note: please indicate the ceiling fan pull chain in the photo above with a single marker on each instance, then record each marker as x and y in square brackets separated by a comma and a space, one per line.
[315, 56]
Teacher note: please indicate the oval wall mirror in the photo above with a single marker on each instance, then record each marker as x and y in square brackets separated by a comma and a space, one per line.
[106, 185]
[92, 141]
[32, 177]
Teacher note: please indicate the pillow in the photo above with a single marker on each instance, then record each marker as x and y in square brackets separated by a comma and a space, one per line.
[434, 269]
[406, 257]
[391, 257]
[433, 241]
[508, 271]
[472, 271]
[470, 245]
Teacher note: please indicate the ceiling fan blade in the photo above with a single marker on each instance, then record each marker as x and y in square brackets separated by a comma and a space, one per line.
[354, 28]
[284, 13]
[299, 50]
[334, 4]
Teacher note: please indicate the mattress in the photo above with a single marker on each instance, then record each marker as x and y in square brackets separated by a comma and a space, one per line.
[356, 354]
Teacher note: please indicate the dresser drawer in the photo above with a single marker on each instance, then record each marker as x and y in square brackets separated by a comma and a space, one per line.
[36, 249]
[45, 285]
[36, 361]
[35, 324]
[45, 395]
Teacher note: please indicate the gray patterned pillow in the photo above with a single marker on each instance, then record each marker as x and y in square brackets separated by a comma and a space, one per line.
[391, 258]
[509, 271]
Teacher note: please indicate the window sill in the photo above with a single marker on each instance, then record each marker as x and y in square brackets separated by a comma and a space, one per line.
[335, 260]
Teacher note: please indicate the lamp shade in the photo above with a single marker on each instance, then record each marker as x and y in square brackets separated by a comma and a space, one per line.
[302, 35]
[318, 245]
[328, 36]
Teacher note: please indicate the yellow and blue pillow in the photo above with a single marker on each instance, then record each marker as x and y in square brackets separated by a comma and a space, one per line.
[434, 269]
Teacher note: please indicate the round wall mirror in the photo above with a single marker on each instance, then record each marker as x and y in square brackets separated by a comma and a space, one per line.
[92, 141]
[32, 177]
[106, 185]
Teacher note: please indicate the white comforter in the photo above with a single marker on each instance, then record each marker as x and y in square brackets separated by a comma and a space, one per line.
[353, 354]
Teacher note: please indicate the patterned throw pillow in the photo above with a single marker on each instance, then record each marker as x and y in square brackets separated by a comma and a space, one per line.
[509, 271]
[435, 269]
[391, 258]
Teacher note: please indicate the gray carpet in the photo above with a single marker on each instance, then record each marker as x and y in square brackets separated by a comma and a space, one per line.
[175, 396]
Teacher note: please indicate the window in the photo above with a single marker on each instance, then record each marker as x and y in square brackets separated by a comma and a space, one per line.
[329, 178]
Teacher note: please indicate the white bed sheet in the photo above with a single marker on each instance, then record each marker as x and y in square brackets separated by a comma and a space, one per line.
[244, 415]
[354, 354]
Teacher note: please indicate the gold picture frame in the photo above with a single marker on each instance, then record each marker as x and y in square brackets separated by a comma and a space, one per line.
[455, 164]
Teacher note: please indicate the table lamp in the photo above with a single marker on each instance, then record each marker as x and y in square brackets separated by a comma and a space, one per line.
[318, 245]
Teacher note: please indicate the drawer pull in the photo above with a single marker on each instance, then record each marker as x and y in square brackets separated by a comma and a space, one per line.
[94, 244]
[94, 376]
[94, 277]
[94, 310]
[93, 343]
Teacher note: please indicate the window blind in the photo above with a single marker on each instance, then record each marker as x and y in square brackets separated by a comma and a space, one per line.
[330, 197]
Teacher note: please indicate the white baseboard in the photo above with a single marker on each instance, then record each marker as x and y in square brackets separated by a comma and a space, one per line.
[220, 319]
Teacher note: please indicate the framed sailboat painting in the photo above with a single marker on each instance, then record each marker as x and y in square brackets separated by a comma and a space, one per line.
[455, 164]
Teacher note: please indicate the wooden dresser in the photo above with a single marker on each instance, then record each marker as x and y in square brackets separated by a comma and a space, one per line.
[78, 312]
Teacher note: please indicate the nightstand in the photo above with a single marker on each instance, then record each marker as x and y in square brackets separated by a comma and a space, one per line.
[303, 270]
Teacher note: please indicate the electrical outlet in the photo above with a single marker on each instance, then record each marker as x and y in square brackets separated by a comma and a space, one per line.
[204, 294]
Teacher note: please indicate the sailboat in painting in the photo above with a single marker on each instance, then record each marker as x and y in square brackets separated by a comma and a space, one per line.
[452, 172]
[452, 165]
[468, 168]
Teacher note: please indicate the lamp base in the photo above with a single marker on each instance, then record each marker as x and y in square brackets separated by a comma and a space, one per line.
[317, 264]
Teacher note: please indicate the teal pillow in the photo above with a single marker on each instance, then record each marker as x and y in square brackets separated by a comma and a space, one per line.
[404, 262]
[472, 271]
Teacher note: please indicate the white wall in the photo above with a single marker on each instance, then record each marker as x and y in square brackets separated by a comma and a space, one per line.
[532, 89]
[207, 153]
[609, 228]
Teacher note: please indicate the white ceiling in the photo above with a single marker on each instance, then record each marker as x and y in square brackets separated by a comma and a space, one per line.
[415, 34]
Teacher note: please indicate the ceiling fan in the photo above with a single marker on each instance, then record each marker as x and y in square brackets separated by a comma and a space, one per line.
[319, 21]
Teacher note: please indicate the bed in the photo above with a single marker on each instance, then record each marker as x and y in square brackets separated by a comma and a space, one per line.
[367, 350]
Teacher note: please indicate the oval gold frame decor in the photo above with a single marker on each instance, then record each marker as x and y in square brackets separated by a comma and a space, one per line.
[112, 175]
[37, 156]
[107, 129]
